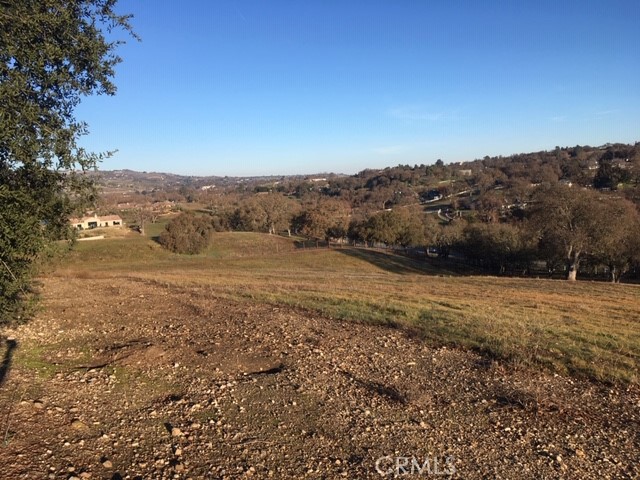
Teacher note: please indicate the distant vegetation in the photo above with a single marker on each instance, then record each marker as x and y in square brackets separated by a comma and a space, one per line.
[570, 210]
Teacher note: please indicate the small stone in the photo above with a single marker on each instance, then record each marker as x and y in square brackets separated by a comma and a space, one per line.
[176, 432]
[179, 467]
[39, 404]
[85, 475]
[580, 453]
[178, 452]
[77, 424]
[107, 464]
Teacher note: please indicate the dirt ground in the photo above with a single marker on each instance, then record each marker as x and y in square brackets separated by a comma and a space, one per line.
[121, 378]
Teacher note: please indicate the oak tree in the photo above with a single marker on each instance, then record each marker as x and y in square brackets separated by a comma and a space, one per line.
[52, 54]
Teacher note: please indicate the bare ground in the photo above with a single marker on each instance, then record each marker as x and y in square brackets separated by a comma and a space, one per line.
[126, 378]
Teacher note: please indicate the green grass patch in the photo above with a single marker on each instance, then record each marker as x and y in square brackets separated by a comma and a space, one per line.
[34, 358]
[153, 230]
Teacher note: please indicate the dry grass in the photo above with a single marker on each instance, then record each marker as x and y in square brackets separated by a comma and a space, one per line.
[587, 328]
[107, 232]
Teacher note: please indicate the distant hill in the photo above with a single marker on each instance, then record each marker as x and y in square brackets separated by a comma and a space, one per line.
[133, 181]
[507, 180]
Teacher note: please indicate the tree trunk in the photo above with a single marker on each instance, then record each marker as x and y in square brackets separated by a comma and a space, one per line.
[614, 274]
[573, 264]
[573, 271]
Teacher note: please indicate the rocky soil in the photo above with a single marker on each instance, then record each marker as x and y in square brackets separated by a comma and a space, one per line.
[124, 378]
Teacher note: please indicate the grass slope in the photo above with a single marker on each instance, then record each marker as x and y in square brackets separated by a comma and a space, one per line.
[585, 328]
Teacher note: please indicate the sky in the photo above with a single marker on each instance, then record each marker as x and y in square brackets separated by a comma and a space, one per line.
[244, 87]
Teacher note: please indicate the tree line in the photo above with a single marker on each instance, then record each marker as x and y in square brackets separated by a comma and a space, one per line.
[562, 226]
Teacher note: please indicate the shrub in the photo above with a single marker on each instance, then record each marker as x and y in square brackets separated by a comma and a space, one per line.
[187, 233]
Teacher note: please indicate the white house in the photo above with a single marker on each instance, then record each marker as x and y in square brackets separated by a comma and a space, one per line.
[86, 223]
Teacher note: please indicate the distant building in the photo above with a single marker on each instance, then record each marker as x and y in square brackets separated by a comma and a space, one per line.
[621, 163]
[465, 172]
[432, 196]
[89, 222]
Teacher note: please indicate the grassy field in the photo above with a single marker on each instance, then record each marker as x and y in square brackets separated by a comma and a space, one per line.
[586, 328]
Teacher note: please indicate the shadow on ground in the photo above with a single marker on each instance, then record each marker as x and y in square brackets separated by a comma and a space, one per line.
[11, 345]
[397, 263]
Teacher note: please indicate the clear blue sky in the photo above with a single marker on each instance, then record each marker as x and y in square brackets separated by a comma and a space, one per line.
[239, 87]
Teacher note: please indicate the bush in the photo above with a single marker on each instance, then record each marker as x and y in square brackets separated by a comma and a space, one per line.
[187, 233]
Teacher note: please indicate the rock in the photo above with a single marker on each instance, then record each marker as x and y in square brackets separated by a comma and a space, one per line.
[107, 464]
[39, 404]
[176, 432]
[78, 425]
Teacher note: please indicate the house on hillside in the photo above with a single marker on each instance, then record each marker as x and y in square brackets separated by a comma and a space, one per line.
[431, 196]
[89, 222]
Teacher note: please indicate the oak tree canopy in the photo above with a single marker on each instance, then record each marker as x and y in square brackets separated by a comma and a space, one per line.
[52, 54]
